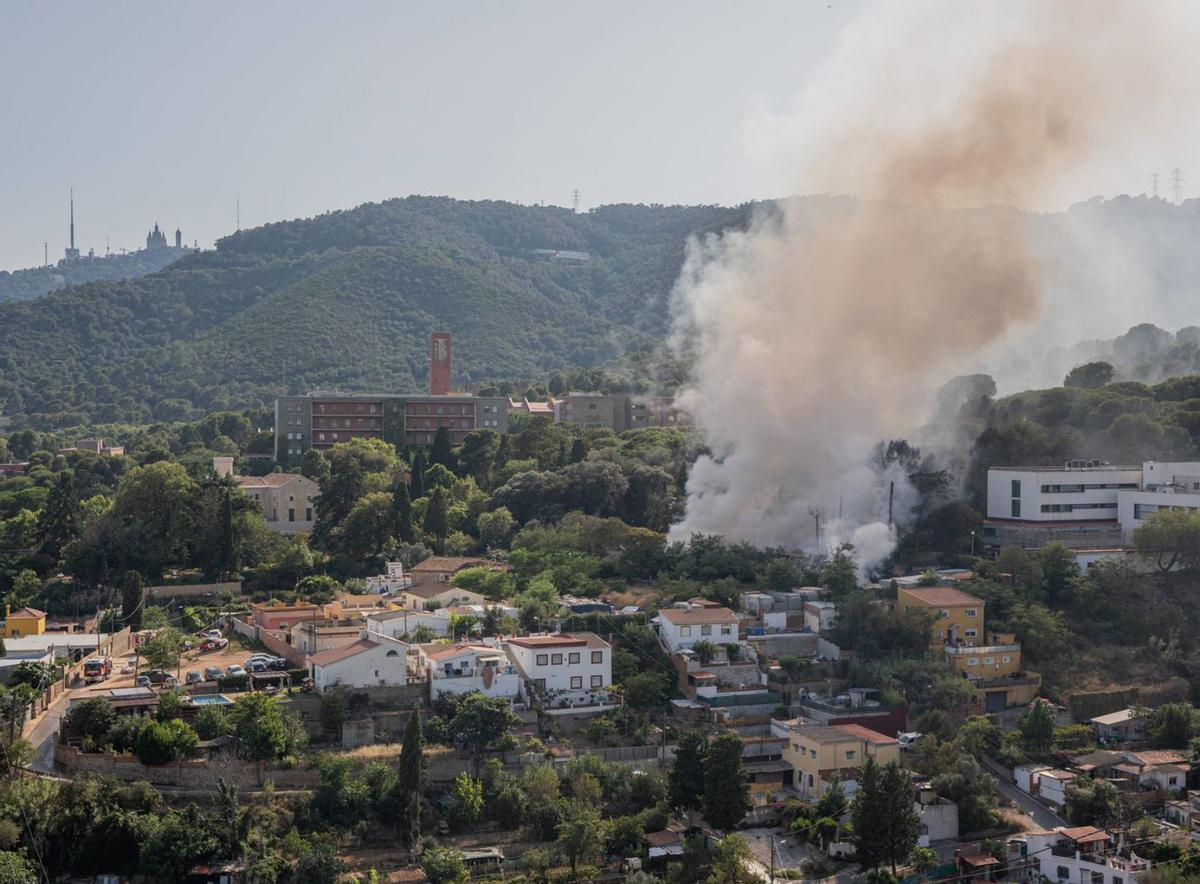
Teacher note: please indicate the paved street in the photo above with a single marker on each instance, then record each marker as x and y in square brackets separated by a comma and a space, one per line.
[1041, 815]
[41, 735]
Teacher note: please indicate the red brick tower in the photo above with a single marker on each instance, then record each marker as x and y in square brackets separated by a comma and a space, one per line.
[439, 363]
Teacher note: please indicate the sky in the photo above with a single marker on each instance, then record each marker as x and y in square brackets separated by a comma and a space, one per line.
[173, 112]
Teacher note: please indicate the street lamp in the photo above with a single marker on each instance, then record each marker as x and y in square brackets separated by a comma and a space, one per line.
[972, 544]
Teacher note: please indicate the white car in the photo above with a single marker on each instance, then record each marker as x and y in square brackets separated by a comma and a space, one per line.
[234, 671]
[909, 740]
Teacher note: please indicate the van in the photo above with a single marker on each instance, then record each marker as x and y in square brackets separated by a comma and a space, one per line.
[909, 740]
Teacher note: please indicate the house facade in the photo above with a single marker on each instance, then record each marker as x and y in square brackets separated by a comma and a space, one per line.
[682, 627]
[23, 622]
[822, 755]
[1081, 855]
[467, 667]
[958, 616]
[372, 661]
[571, 667]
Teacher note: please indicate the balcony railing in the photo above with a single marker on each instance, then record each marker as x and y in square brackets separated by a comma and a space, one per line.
[976, 650]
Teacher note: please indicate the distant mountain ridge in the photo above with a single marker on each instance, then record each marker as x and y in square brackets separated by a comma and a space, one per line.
[346, 300]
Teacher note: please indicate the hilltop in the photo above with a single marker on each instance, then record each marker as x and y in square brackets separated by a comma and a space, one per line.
[24, 285]
[347, 299]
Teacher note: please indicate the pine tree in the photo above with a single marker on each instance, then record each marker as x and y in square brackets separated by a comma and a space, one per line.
[410, 782]
[726, 789]
[685, 783]
[61, 520]
[441, 452]
[133, 591]
[435, 517]
[578, 450]
[402, 509]
[886, 827]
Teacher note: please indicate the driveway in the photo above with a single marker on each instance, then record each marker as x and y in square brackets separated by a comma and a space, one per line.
[43, 732]
[1041, 814]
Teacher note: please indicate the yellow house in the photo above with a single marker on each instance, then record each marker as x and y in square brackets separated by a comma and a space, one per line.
[958, 615]
[994, 669]
[823, 755]
[23, 621]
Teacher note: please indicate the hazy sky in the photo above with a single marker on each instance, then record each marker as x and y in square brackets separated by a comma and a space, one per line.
[172, 111]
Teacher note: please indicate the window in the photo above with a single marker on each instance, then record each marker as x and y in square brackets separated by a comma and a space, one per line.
[973, 661]
[543, 659]
[291, 514]
[849, 754]
[706, 629]
[1063, 873]
[1006, 659]
[1016, 488]
[597, 681]
[971, 633]
[597, 656]
[988, 661]
[308, 514]
[943, 613]
[573, 657]
[576, 682]
[392, 654]
[971, 612]
[813, 752]
[556, 659]
[1016, 509]
[724, 630]
[685, 630]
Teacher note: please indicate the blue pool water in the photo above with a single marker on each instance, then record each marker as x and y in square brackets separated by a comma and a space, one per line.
[212, 700]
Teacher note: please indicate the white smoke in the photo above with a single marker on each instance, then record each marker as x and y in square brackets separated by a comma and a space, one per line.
[827, 324]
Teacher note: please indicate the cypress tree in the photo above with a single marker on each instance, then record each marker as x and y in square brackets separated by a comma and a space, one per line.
[442, 451]
[227, 552]
[402, 509]
[435, 517]
[416, 485]
[61, 520]
[726, 789]
[685, 783]
[410, 779]
[132, 592]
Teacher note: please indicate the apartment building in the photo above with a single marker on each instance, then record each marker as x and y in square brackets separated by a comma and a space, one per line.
[958, 616]
[681, 627]
[821, 755]
[566, 666]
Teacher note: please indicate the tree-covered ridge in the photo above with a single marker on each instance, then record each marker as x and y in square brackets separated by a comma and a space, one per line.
[24, 285]
[347, 299]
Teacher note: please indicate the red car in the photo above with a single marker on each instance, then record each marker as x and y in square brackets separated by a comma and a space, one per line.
[218, 644]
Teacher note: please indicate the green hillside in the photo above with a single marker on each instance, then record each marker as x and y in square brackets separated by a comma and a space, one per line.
[24, 285]
[347, 299]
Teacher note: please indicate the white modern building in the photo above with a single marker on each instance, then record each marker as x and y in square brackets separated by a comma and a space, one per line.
[698, 620]
[463, 668]
[372, 661]
[397, 624]
[1091, 506]
[572, 668]
[1081, 855]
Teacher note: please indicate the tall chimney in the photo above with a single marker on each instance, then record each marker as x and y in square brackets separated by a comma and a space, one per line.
[439, 363]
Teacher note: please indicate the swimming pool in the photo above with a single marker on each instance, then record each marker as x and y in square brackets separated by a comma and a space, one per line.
[212, 700]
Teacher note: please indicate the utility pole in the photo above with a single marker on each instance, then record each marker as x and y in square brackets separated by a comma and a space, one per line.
[1177, 185]
[575, 201]
[45, 253]
[1154, 185]
[816, 514]
[891, 499]
[238, 217]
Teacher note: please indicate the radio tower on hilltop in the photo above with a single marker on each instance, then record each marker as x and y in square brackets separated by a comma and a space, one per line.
[575, 201]
[1177, 185]
[1154, 185]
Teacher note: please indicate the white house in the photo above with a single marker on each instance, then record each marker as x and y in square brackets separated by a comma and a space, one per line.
[392, 582]
[938, 817]
[396, 624]
[1081, 854]
[819, 616]
[572, 667]
[436, 594]
[462, 668]
[1051, 786]
[372, 661]
[681, 627]
[1162, 769]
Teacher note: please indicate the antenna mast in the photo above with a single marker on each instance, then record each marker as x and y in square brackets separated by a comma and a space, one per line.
[46, 253]
[72, 219]
[1154, 185]
[575, 201]
[1177, 184]
[239, 214]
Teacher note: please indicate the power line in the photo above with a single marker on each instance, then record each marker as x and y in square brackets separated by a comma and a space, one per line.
[575, 201]
[1177, 185]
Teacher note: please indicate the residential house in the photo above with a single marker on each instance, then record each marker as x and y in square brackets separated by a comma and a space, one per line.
[819, 616]
[683, 626]
[994, 668]
[958, 616]
[434, 595]
[397, 624]
[938, 816]
[1161, 769]
[822, 755]
[392, 582]
[853, 706]
[287, 500]
[441, 569]
[465, 667]
[1051, 786]
[276, 615]
[570, 668]
[1122, 726]
[372, 661]
[314, 636]
[1080, 854]
[23, 622]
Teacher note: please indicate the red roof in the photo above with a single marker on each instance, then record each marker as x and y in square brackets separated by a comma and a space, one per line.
[27, 613]
[690, 616]
[1085, 833]
[941, 596]
[335, 654]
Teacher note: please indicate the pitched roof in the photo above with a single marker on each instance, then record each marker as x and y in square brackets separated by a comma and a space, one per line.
[665, 838]
[1158, 756]
[436, 588]
[941, 596]
[453, 564]
[442, 651]
[838, 733]
[690, 616]
[27, 613]
[1119, 717]
[270, 480]
[1085, 833]
[335, 654]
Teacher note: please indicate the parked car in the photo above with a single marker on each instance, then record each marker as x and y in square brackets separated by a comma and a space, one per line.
[256, 666]
[142, 681]
[212, 673]
[214, 644]
[193, 677]
[909, 740]
[213, 634]
[160, 676]
[279, 664]
[235, 671]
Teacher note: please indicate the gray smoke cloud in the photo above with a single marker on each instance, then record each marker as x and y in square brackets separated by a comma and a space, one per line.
[827, 324]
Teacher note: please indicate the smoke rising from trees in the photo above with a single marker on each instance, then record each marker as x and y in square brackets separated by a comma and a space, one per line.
[828, 324]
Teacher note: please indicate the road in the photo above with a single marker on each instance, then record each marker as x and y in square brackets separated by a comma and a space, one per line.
[1041, 814]
[41, 735]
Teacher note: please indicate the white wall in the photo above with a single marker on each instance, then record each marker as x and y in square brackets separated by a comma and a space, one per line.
[999, 502]
[679, 637]
[539, 663]
[385, 664]
[506, 682]
[394, 627]
[1131, 504]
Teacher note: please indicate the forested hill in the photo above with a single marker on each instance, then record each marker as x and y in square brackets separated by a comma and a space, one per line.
[23, 285]
[347, 300]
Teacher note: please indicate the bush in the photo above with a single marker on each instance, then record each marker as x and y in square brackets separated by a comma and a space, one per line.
[125, 732]
[213, 722]
[163, 742]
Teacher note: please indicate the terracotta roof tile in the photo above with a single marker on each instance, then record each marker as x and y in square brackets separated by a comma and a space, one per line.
[335, 654]
[941, 596]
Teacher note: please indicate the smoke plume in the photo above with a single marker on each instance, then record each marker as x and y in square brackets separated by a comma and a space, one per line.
[826, 325]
